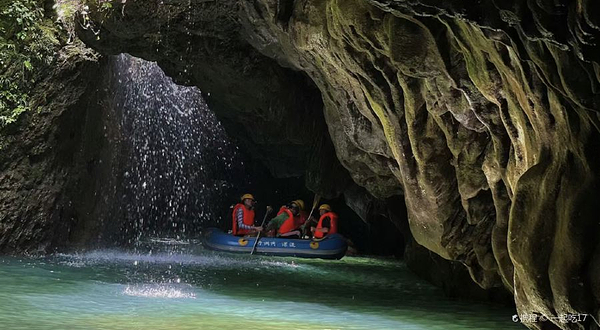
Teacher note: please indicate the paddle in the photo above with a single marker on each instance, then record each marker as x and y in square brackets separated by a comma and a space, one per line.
[269, 209]
[315, 203]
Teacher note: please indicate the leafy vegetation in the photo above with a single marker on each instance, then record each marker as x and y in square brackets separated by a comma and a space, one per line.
[71, 12]
[30, 38]
[27, 43]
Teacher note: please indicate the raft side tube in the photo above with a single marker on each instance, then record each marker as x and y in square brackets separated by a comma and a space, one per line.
[331, 247]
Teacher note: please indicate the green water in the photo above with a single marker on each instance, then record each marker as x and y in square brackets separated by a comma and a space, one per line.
[191, 288]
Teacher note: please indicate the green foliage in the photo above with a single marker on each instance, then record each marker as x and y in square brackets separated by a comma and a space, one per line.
[72, 12]
[27, 44]
[66, 12]
[29, 41]
[106, 5]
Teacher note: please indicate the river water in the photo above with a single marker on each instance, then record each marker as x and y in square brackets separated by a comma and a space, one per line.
[177, 285]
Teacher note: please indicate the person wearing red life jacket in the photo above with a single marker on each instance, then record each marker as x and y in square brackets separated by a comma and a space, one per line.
[328, 222]
[243, 217]
[288, 220]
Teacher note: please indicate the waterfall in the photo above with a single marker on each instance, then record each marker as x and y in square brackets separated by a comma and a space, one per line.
[180, 167]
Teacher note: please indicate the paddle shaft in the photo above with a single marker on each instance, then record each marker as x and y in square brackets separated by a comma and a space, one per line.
[258, 235]
[315, 202]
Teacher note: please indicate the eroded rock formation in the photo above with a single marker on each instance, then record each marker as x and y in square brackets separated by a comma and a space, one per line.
[484, 115]
[58, 162]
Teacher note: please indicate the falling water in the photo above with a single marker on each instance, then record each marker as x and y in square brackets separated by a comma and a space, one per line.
[180, 165]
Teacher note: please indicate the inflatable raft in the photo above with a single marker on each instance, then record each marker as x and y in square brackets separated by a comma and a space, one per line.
[331, 247]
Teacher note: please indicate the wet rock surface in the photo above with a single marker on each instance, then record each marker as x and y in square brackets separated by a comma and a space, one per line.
[483, 115]
[58, 165]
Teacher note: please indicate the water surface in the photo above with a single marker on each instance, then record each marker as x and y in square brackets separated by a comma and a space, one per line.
[184, 287]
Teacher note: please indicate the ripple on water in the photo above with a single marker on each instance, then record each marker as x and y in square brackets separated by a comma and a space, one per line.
[158, 291]
[207, 261]
[279, 264]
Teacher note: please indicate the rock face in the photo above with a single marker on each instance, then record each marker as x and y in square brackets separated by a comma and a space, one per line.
[483, 115]
[57, 160]
[274, 112]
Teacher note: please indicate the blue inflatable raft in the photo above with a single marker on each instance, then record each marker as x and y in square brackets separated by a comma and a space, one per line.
[331, 247]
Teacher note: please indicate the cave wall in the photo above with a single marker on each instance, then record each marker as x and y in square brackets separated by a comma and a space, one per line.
[491, 133]
[484, 115]
[274, 113]
[57, 168]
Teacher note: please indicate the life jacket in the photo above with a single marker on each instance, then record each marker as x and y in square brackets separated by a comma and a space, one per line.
[248, 219]
[333, 218]
[291, 222]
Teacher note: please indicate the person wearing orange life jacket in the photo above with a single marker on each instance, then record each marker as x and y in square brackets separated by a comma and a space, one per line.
[288, 220]
[328, 222]
[243, 217]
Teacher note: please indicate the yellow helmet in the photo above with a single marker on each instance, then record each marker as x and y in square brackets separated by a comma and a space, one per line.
[300, 204]
[325, 207]
[247, 196]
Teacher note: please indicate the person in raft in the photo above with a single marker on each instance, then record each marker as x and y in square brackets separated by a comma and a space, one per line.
[288, 220]
[243, 217]
[328, 222]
